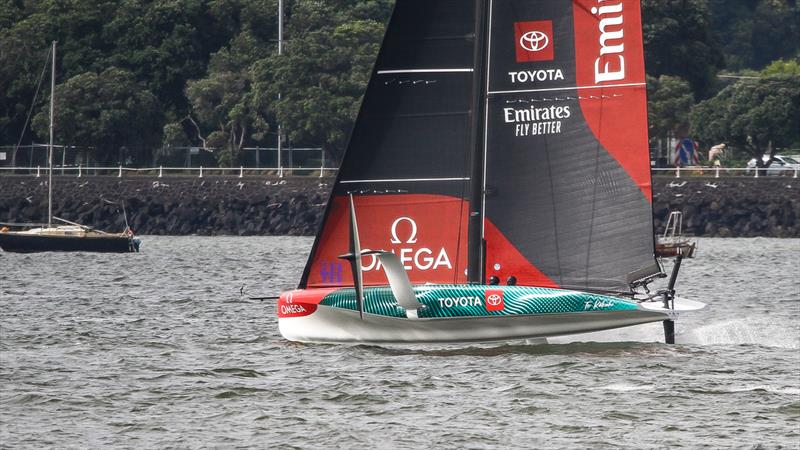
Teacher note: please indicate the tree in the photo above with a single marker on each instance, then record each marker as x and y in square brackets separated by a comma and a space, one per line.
[222, 102]
[678, 41]
[669, 101]
[759, 115]
[324, 71]
[775, 31]
[23, 56]
[783, 68]
[755, 32]
[109, 111]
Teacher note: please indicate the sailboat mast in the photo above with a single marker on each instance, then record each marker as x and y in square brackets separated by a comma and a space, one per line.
[280, 52]
[50, 147]
[475, 245]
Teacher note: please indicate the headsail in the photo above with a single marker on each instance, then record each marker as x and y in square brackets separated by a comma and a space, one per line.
[564, 167]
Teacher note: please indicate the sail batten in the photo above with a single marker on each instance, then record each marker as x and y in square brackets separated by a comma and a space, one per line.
[522, 91]
[399, 71]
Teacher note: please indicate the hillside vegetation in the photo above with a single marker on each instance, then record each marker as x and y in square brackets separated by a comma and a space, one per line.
[138, 80]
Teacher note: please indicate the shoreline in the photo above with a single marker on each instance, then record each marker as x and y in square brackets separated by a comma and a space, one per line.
[217, 205]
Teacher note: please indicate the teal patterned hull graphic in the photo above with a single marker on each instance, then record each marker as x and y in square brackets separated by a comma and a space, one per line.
[443, 301]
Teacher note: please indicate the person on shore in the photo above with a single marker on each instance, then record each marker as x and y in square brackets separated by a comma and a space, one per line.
[715, 155]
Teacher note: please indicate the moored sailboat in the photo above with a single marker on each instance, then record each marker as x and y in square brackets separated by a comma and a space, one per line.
[500, 164]
[72, 237]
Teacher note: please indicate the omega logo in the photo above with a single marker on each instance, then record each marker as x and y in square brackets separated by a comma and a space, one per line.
[412, 239]
[411, 257]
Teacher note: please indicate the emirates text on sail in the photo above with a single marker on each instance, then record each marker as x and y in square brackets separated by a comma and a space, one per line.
[536, 121]
[611, 32]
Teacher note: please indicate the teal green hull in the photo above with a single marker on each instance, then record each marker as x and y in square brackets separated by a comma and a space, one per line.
[449, 301]
[459, 313]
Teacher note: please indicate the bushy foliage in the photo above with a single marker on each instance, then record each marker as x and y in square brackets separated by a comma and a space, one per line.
[152, 75]
[760, 114]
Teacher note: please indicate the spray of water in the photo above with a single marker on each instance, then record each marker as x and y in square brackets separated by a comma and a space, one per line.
[741, 331]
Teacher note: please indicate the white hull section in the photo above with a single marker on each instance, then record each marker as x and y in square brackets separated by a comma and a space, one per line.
[336, 325]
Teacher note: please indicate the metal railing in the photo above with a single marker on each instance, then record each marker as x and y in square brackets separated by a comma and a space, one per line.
[723, 172]
[263, 158]
[280, 172]
[161, 171]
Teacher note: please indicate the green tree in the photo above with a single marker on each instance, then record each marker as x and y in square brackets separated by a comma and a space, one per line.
[775, 31]
[678, 42]
[669, 100]
[222, 102]
[759, 115]
[109, 111]
[782, 68]
[23, 56]
[755, 32]
[324, 71]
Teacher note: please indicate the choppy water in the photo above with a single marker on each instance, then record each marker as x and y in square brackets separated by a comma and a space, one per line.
[159, 349]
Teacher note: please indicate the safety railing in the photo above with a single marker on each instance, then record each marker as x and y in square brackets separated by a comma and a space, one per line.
[724, 172]
[161, 171]
[240, 172]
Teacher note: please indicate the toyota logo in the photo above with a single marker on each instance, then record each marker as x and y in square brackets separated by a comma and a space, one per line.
[534, 41]
[494, 299]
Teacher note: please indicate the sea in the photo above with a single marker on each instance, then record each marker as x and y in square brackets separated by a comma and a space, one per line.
[165, 349]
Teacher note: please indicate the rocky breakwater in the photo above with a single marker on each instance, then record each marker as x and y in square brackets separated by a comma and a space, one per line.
[172, 206]
[730, 207]
[725, 207]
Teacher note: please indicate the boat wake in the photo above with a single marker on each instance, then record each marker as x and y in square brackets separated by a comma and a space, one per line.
[759, 331]
[743, 331]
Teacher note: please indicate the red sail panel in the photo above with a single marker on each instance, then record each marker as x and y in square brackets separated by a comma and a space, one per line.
[428, 233]
[609, 66]
[506, 261]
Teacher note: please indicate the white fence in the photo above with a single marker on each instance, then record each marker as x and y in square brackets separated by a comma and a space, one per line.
[161, 171]
[722, 172]
[240, 172]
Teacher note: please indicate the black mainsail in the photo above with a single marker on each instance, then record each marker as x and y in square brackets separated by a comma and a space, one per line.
[407, 158]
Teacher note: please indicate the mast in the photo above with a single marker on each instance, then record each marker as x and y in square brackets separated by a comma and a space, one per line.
[50, 147]
[475, 246]
[280, 52]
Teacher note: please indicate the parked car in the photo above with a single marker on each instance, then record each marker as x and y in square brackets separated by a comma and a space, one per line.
[781, 165]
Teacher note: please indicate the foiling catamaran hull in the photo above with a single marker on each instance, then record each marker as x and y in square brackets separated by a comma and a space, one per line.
[477, 314]
[498, 160]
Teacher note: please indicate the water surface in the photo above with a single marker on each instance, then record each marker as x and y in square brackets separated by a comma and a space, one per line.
[163, 348]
